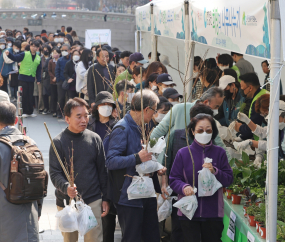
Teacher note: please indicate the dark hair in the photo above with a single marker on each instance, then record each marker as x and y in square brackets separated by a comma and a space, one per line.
[115, 49]
[120, 86]
[69, 29]
[282, 98]
[151, 79]
[35, 43]
[73, 103]
[197, 60]
[57, 50]
[235, 53]
[76, 42]
[157, 56]
[164, 104]
[200, 108]
[211, 75]
[125, 53]
[117, 66]
[17, 43]
[85, 57]
[26, 29]
[199, 117]
[266, 62]
[250, 79]
[44, 39]
[225, 59]
[53, 44]
[137, 70]
[153, 67]
[27, 48]
[48, 48]
[94, 46]
[7, 113]
[99, 50]
[73, 33]
[210, 63]
[62, 26]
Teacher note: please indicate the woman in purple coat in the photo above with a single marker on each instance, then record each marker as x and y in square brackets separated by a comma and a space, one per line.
[207, 222]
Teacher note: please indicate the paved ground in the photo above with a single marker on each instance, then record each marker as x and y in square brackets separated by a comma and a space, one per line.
[36, 130]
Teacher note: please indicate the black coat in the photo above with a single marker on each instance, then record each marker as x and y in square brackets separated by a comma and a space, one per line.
[46, 78]
[69, 72]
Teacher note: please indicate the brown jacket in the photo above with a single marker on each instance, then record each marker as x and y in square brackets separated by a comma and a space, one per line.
[51, 71]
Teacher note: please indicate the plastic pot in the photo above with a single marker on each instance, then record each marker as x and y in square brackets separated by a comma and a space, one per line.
[244, 211]
[262, 231]
[251, 220]
[229, 194]
[257, 224]
[236, 199]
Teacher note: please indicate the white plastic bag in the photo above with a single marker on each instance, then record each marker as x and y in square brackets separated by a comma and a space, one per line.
[67, 218]
[160, 199]
[86, 219]
[149, 166]
[141, 187]
[165, 209]
[187, 205]
[158, 147]
[207, 182]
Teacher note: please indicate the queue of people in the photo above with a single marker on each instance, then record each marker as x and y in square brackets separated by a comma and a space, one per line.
[97, 92]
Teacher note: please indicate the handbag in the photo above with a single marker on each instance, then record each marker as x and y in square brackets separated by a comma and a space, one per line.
[65, 85]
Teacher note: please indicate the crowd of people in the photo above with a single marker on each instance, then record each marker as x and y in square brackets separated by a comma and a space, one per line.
[112, 99]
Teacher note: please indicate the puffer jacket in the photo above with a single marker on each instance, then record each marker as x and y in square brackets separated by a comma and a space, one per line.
[59, 68]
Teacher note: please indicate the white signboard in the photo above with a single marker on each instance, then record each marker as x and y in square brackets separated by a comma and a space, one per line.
[97, 36]
[232, 227]
[239, 26]
[250, 237]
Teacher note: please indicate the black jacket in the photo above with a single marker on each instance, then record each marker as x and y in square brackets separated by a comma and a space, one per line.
[93, 89]
[69, 72]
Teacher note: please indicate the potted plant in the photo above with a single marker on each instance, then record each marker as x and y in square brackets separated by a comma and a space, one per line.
[236, 194]
[251, 210]
[262, 220]
[229, 192]
[258, 220]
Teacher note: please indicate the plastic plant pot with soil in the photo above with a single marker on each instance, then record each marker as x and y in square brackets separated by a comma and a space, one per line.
[262, 231]
[229, 194]
[251, 220]
[236, 199]
[257, 225]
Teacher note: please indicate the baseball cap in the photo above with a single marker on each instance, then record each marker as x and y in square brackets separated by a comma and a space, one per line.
[281, 108]
[171, 93]
[226, 80]
[137, 57]
[165, 79]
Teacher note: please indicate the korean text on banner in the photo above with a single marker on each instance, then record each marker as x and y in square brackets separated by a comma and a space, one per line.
[239, 26]
[97, 36]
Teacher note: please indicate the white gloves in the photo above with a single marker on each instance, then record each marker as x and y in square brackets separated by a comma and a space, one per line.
[242, 117]
[258, 158]
[232, 129]
[240, 146]
[238, 139]
[261, 132]
[262, 145]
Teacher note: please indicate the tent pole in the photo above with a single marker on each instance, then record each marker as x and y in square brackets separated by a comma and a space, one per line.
[272, 158]
[188, 51]
[153, 37]
[138, 49]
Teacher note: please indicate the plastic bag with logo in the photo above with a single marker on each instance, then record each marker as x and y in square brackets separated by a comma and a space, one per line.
[141, 187]
[149, 166]
[160, 199]
[160, 144]
[187, 205]
[165, 209]
[86, 218]
[207, 182]
[67, 218]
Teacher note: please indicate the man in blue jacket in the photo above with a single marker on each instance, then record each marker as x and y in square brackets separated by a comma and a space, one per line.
[29, 72]
[138, 217]
[59, 70]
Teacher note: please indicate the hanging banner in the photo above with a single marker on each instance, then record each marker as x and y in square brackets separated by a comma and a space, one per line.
[96, 37]
[143, 18]
[239, 26]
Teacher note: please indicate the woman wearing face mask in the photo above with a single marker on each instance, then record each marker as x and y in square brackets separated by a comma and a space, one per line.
[164, 81]
[209, 78]
[70, 73]
[137, 75]
[163, 108]
[101, 120]
[56, 53]
[233, 98]
[207, 222]
[83, 65]
[46, 78]
[151, 82]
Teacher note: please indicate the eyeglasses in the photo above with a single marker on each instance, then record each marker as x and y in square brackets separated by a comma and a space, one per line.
[155, 111]
[200, 131]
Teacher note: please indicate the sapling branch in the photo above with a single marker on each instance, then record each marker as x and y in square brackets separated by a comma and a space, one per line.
[142, 115]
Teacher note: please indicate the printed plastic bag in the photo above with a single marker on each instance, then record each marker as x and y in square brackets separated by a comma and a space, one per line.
[67, 218]
[187, 205]
[149, 166]
[165, 209]
[207, 182]
[86, 219]
[141, 187]
[158, 147]
[160, 199]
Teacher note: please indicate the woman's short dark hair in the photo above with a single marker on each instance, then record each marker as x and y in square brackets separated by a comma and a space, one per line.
[199, 117]
[200, 108]
[85, 57]
[137, 70]
[164, 104]
[58, 50]
[44, 39]
[7, 113]
[150, 79]
[73, 103]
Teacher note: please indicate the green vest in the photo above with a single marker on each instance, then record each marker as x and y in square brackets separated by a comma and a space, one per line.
[28, 66]
[262, 92]
[236, 69]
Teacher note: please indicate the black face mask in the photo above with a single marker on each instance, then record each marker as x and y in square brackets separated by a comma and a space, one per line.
[46, 53]
[228, 94]
[242, 93]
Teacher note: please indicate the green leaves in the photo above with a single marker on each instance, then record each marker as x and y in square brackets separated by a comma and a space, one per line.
[246, 172]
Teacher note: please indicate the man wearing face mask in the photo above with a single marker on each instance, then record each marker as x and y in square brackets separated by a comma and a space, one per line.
[9, 42]
[172, 95]
[123, 97]
[61, 37]
[96, 72]
[59, 74]
[135, 59]
[164, 81]
[29, 72]
[250, 89]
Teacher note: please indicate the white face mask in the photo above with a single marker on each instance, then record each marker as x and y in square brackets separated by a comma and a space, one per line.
[16, 50]
[56, 40]
[215, 111]
[76, 57]
[60, 40]
[2, 47]
[105, 110]
[159, 117]
[130, 97]
[154, 88]
[64, 53]
[9, 44]
[112, 63]
[222, 68]
[203, 138]
[174, 103]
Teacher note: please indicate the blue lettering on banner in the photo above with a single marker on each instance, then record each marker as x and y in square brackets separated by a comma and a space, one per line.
[221, 42]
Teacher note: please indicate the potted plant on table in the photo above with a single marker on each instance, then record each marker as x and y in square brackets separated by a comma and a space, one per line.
[251, 211]
[236, 194]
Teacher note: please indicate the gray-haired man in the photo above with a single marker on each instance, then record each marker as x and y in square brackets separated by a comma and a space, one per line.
[138, 217]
